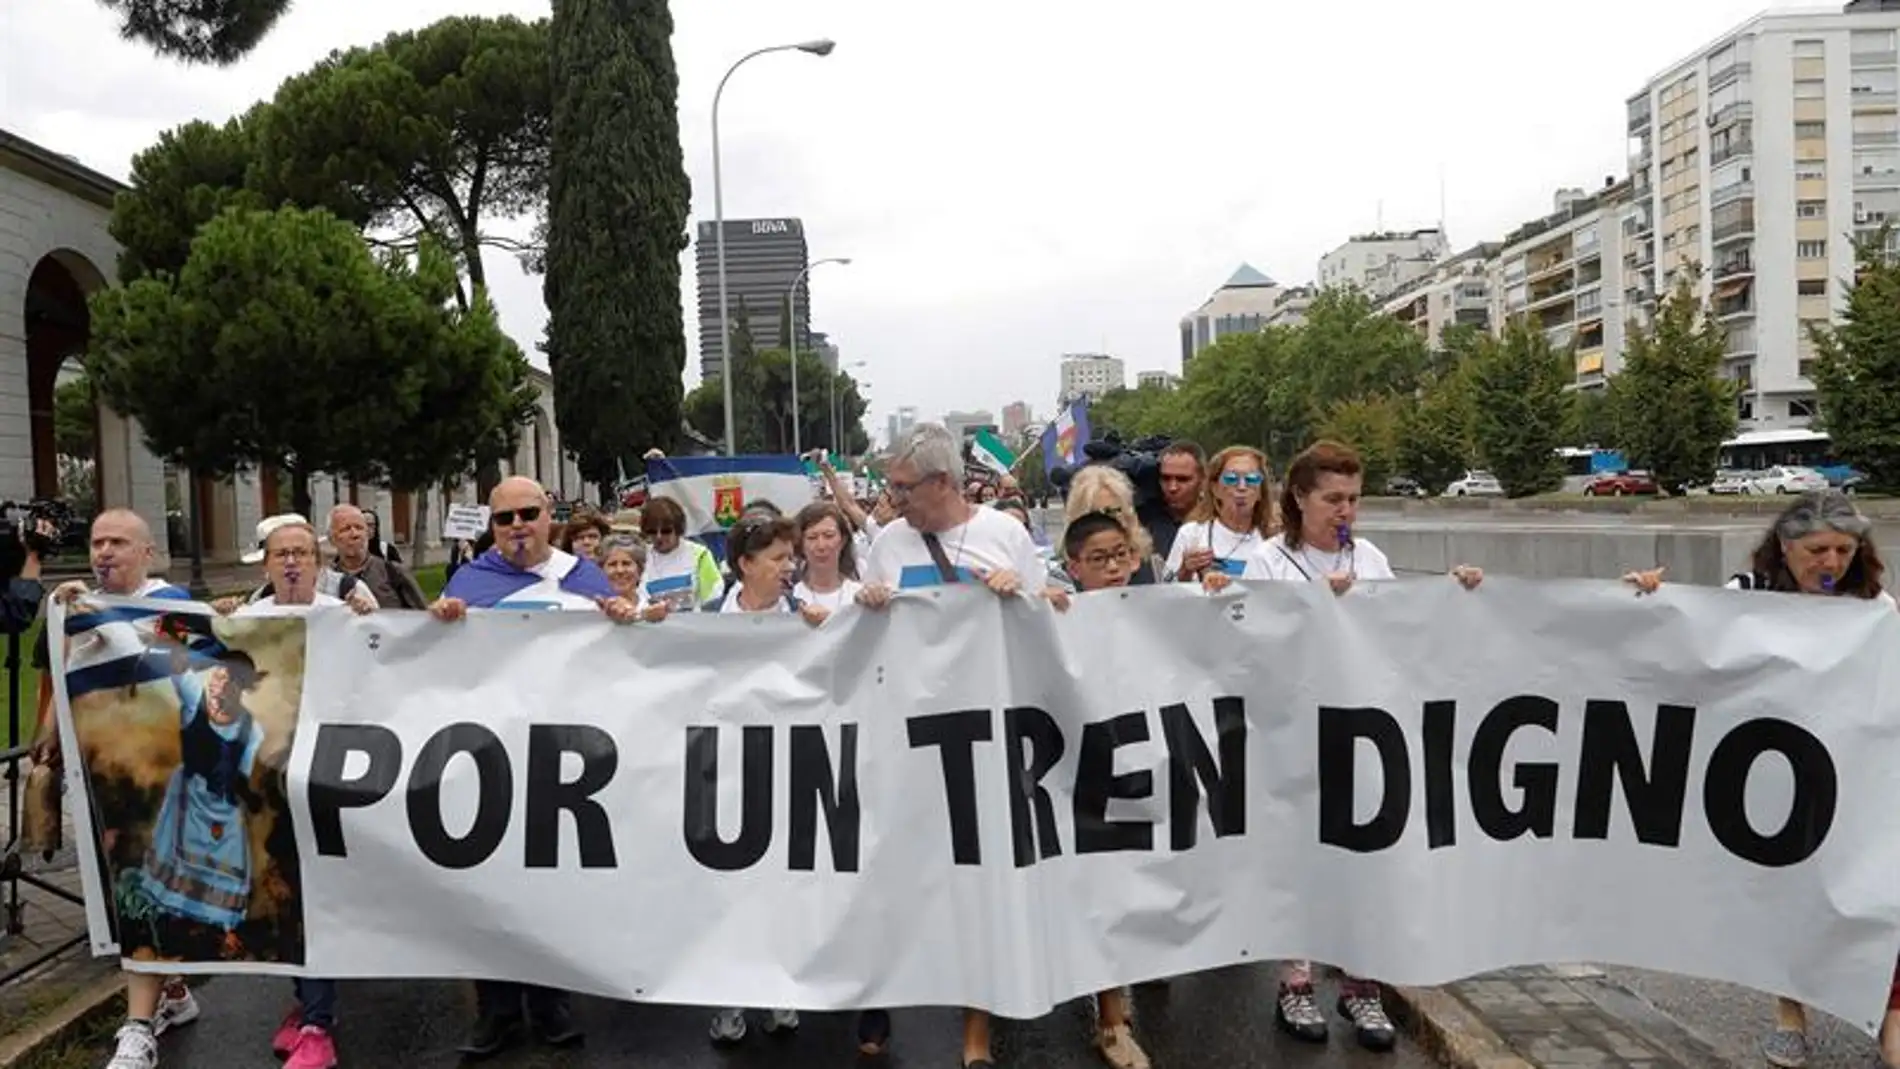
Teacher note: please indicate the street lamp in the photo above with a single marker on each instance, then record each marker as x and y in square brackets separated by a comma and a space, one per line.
[837, 435]
[816, 48]
[791, 309]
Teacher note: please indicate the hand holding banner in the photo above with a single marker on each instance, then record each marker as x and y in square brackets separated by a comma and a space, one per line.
[968, 800]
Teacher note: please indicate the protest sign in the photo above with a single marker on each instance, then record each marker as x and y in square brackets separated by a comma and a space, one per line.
[963, 800]
[465, 522]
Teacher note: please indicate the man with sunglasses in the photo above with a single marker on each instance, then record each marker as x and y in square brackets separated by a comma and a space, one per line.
[524, 571]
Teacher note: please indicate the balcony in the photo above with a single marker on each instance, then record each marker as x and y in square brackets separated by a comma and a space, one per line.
[1872, 59]
[1739, 343]
[1744, 147]
[1876, 177]
[1731, 230]
[1739, 266]
[1641, 256]
[1868, 97]
[1730, 192]
[1741, 109]
[1868, 138]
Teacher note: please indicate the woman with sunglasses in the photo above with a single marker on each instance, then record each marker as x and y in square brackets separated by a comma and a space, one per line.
[1318, 506]
[1228, 532]
[680, 572]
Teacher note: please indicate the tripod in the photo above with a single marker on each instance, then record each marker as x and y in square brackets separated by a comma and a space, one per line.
[12, 866]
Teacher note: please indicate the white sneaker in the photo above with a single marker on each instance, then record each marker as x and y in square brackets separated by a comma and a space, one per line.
[137, 1048]
[728, 1026]
[781, 1021]
[176, 1007]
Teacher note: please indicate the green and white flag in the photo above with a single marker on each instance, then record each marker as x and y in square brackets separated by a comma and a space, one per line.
[989, 451]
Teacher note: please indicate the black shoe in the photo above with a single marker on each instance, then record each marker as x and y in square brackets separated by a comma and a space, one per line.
[874, 1033]
[554, 1025]
[491, 1035]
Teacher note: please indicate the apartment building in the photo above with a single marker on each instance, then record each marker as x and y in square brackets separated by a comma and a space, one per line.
[1016, 419]
[1457, 292]
[1289, 309]
[899, 424]
[1758, 159]
[1565, 272]
[1160, 380]
[1380, 264]
[1240, 306]
[1091, 374]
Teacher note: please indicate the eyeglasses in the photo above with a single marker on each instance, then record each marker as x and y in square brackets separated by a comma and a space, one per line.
[506, 517]
[288, 556]
[1103, 560]
[900, 490]
[662, 532]
[1234, 478]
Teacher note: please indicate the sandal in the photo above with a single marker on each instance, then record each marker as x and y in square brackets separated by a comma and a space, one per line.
[1119, 1049]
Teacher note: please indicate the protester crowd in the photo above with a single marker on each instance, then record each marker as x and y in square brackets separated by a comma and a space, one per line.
[1216, 521]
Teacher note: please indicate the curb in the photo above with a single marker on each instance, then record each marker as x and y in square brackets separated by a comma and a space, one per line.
[102, 999]
[1449, 1030]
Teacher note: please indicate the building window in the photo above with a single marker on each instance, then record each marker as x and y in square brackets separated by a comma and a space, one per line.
[1811, 287]
[1805, 369]
[1811, 209]
[1810, 131]
[1810, 89]
[1801, 408]
[1810, 170]
[1810, 250]
[1810, 50]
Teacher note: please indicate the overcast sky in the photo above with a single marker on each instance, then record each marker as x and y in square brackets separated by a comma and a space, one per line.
[1017, 180]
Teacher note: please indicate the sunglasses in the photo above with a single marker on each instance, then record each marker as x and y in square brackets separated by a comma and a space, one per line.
[506, 517]
[1234, 478]
[662, 532]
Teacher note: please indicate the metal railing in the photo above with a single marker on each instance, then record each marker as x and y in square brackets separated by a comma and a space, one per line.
[15, 879]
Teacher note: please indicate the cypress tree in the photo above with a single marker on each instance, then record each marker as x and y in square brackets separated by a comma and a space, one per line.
[617, 203]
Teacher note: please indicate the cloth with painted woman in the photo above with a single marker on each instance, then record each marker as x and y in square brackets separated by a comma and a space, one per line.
[199, 866]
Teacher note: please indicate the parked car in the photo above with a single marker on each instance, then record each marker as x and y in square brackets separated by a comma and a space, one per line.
[1734, 482]
[1852, 483]
[1622, 484]
[1788, 479]
[1476, 484]
[1402, 486]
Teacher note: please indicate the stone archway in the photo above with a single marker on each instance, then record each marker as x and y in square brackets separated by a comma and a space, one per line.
[63, 412]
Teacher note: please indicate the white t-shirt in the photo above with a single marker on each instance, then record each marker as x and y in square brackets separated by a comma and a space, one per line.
[1884, 598]
[1309, 564]
[989, 541]
[730, 603]
[270, 607]
[674, 577]
[846, 593]
[1240, 556]
[866, 536]
[546, 593]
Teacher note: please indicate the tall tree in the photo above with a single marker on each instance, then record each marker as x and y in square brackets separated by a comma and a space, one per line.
[618, 195]
[1670, 406]
[1436, 441]
[1371, 425]
[185, 180]
[1519, 408]
[198, 31]
[468, 387]
[433, 132]
[281, 342]
[1857, 368]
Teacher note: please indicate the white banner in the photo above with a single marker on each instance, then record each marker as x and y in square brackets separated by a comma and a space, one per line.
[965, 801]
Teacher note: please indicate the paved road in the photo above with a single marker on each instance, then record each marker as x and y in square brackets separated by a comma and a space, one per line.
[1216, 1019]
[1734, 1019]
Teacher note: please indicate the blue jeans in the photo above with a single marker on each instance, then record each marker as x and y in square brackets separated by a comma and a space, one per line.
[317, 998]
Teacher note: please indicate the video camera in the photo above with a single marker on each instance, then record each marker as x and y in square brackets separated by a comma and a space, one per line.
[41, 526]
[1140, 460]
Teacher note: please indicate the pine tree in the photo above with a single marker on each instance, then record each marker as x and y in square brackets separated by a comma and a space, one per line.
[617, 203]
[1857, 368]
[1519, 408]
[1670, 406]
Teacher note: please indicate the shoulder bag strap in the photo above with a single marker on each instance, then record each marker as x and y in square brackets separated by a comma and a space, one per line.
[945, 570]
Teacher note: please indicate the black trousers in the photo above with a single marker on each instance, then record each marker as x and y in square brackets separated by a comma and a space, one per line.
[502, 998]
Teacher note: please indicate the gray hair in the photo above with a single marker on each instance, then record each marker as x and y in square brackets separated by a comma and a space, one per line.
[623, 543]
[1821, 510]
[933, 449]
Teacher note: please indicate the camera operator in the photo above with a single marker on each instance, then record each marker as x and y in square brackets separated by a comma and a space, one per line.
[1182, 470]
[21, 551]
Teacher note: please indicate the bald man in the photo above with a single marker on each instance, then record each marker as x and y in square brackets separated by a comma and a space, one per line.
[525, 571]
[390, 583]
[122, 553]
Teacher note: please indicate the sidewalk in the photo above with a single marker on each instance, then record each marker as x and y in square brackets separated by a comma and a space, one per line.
[1585, 1017]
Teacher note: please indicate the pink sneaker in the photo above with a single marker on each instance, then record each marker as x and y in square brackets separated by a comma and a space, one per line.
[285, 1039]
[315, 1050]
